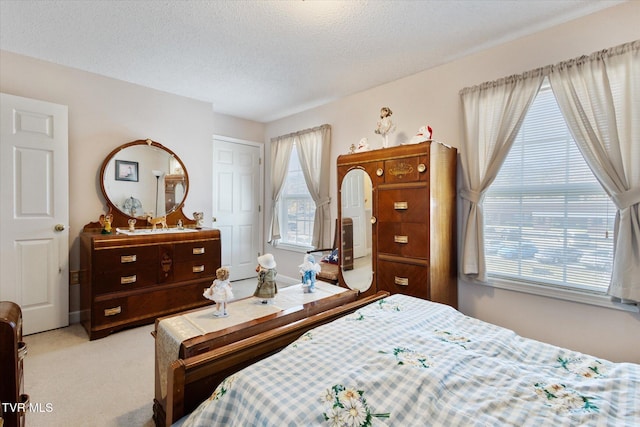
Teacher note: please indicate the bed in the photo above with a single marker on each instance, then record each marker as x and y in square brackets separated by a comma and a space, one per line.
[399, 360]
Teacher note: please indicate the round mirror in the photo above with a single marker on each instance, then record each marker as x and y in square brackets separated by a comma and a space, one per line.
[356, 213]
[143, 178]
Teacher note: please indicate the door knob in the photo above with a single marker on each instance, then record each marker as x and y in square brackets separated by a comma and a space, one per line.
[59, 227]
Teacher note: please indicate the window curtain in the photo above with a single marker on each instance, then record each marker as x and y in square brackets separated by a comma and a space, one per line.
[314, 149]
[599, 96]
[280, 154]
[493, 113]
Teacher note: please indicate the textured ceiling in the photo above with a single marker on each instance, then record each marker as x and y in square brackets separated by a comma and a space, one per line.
[263, 60]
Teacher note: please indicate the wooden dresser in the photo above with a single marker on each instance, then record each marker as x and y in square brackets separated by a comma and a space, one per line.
[413, 218]
[12, 352]
[131, 280]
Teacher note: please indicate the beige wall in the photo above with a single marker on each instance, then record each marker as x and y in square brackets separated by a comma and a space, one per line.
[431, 97]
[105, 113]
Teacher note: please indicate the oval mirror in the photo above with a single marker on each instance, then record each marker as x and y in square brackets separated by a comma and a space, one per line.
[356, 212]
[143, 178]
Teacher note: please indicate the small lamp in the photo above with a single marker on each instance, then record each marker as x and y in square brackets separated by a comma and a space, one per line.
[157, 174]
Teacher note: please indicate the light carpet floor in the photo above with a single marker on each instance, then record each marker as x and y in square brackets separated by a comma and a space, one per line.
[108, 382]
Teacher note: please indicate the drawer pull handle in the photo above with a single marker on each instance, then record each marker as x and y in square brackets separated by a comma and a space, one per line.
[127, 258]
[422, 167]
[198, 269]
[401, 281]
[401, 239]
[22, 350]
[127, 280]
[113, 311]
[401, 206]
[198, 251]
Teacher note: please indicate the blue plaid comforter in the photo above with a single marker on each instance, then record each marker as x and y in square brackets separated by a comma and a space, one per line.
[404, 361]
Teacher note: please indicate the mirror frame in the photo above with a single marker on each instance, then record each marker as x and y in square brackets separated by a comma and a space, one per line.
[347, 163]
[120, 218]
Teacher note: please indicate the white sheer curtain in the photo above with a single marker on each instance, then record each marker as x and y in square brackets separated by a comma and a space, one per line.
[314, 149]
[599, 97]
[493, 113]
[280, 153]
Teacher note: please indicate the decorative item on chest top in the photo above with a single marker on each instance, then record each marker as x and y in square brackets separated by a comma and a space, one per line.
[105, 222]
[132, 224]
[424, 134]
[199, 217]
[309, 269]
[266, 269]
[220, 292]
[385, 126]
[363, 145]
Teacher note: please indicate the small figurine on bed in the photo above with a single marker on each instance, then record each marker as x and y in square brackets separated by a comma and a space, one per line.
[309, 269]
[267, 288]
[220, 292]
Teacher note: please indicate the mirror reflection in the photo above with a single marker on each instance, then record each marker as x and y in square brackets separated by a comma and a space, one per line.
[143, 180]
[356, 212]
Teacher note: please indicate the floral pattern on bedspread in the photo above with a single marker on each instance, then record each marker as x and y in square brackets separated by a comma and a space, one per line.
[423, 363]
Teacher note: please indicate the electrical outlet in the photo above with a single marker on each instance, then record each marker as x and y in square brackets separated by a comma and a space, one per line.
[74, 277]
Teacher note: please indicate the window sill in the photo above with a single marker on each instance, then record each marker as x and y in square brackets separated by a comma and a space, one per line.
[583, 297]
[293, 248]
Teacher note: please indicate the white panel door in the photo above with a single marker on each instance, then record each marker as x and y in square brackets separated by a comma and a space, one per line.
[34, 216]
[237, 196]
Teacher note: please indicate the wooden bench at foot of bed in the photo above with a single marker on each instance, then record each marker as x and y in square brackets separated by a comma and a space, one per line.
[192, 380]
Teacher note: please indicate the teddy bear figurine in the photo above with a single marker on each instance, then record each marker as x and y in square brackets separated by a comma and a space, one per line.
[220, 292]
[267, 288]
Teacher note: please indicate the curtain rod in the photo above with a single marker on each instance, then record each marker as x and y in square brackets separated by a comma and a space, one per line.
[301, 132]
[548, 69]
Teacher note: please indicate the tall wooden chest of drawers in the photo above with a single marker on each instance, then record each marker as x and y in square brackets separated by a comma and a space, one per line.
[414, 218]
[128, 280]
[12, 352]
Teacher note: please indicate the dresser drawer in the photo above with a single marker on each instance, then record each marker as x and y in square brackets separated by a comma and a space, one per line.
[140, 307]
[110, 259]
[407, 204]
[195, 269]
[404, 239]
[406, 169]
[403, 278]
[124, 279]
[194, 250]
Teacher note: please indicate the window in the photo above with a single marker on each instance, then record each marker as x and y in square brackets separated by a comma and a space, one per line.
[297, 206]
[547, 219]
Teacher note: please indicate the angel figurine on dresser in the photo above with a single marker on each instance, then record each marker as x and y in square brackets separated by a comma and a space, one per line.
[385, 126]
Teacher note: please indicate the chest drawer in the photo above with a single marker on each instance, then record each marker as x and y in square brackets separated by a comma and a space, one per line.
[110, 259]
[403, 278]
[404, 239]
[406, 169]
[407, 204]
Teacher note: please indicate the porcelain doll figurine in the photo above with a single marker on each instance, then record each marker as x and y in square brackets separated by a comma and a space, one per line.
[220, 292]
[385, 126]
[309, 269]
[267, 288]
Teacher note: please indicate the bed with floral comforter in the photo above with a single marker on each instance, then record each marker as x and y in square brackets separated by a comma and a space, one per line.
[404, 361]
